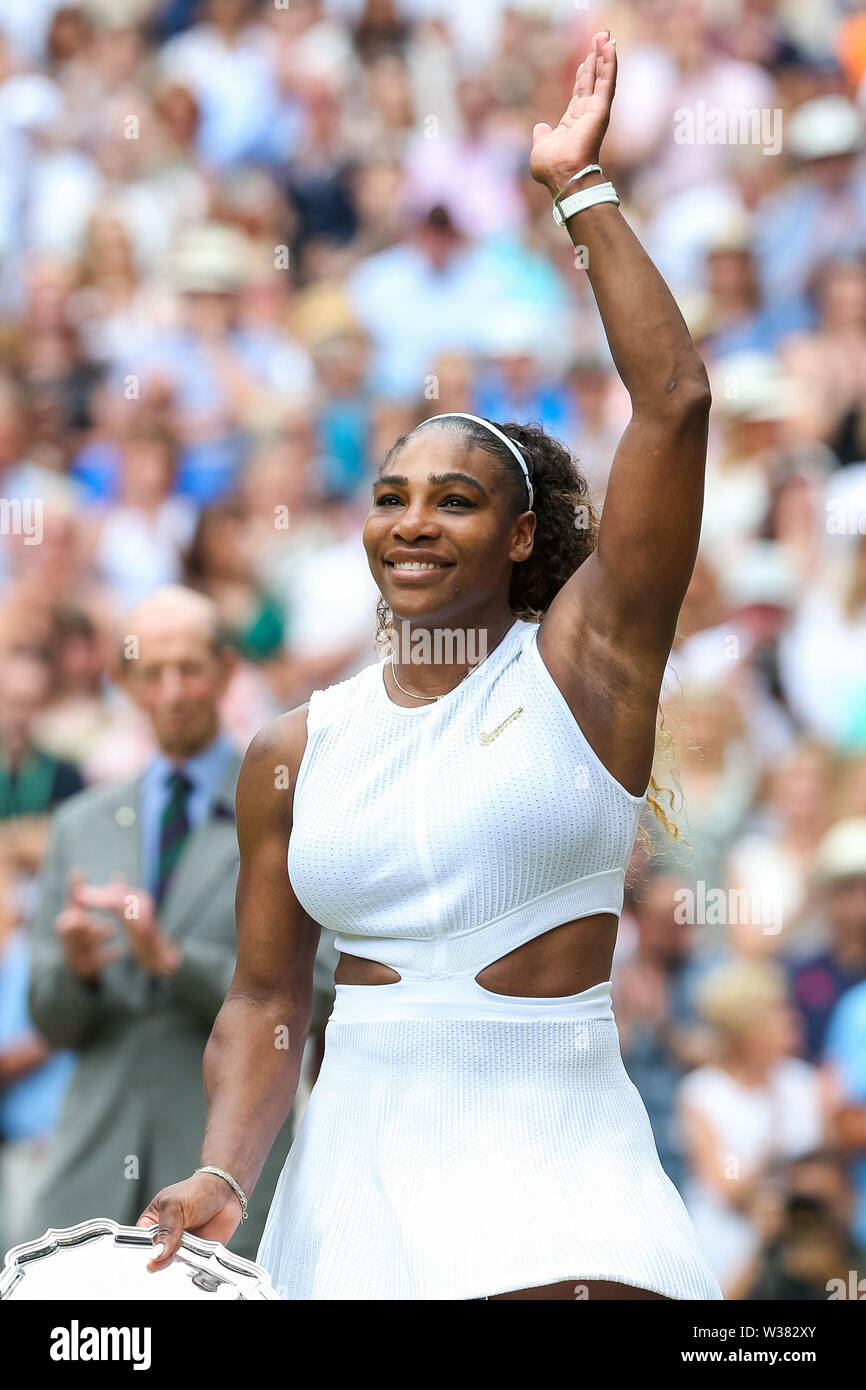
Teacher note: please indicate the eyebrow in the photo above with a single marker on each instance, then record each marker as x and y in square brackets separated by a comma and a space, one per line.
[397, 480]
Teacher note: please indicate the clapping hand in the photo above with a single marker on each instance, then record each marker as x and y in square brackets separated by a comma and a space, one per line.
[84, 937]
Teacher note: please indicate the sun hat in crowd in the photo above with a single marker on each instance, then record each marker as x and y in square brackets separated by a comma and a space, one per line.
[732, 233]
[842, 851]
[117, 14]
[825, 126]
[323, 311]
[210, 258]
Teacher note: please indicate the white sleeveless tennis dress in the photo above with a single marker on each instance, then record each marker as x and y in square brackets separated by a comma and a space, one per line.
[460, 1143]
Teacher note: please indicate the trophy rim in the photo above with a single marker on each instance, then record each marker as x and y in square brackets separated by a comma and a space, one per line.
[211, 1252]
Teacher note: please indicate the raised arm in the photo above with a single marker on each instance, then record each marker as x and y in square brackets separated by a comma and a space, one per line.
[253, 1058]
[620, 608]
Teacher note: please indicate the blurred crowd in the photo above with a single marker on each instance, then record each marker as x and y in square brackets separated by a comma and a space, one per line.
[243, 247]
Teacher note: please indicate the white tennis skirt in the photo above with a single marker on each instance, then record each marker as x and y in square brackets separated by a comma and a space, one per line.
[459, 1143]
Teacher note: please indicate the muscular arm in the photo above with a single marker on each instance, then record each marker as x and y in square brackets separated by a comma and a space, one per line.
[253, 1057]
[618, 612]
[631, 588]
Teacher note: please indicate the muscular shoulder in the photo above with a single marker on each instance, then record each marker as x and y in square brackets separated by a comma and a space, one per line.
[282, 739]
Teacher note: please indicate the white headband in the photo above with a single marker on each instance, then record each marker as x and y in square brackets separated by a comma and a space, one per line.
[509, 443]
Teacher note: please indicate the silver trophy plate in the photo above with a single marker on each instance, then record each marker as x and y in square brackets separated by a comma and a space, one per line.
[102, 1260]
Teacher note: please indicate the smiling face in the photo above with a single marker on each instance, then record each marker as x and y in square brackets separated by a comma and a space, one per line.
[442, 534]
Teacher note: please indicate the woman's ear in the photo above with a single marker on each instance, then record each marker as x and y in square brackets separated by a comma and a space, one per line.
[523, 536]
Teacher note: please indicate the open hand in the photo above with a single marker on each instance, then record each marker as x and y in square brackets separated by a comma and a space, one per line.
[559, 152]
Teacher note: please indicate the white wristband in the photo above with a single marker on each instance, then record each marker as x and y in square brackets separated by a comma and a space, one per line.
[587, 198]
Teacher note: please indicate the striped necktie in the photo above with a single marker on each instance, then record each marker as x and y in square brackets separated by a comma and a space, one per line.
[174, 829]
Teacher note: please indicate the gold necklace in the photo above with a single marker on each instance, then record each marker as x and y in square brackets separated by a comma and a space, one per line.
[413, 696]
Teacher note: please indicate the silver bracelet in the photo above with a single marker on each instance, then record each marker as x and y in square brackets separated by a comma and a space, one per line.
[587, 169]
[235, 1187]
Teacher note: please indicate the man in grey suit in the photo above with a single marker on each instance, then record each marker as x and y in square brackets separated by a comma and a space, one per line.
[134, 940]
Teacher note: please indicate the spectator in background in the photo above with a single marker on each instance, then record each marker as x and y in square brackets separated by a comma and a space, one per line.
[19, 476]
[775, 858]
[822, 979]
[109, 302]
[221, 371]
[142, 536]
[318, 172]
[829, 364]
[33, 1080]
[223, 61]
[32, 781]
[805, 1222]
[596, 426]
[675, 65]
[755, 403]
[56, 374]
[425, 295]
[659, 1038]
[845, 1059]
[376, 186]
[89, 722]
[280, 490]
[717, 775]
[795, 520]
[455, 378]
[220, 564]
[822, 654]
[821, 213]
[515, 386]
[343, 411]
[851, 787]
[734, 642]
[473, 173]
[328, 600]
[736, 318]
[756, 1103]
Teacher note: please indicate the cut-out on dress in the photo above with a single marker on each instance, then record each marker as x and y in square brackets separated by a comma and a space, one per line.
[459, 1143]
